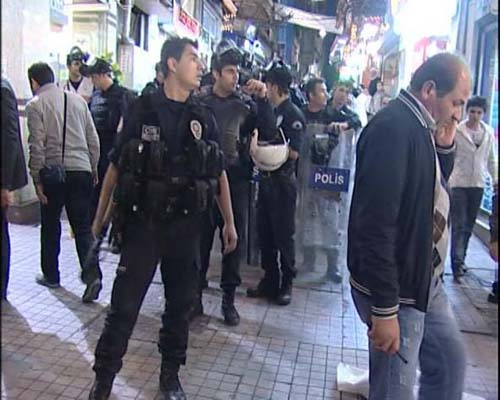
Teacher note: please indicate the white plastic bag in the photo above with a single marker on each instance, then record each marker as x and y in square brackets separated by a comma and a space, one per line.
[352, 380]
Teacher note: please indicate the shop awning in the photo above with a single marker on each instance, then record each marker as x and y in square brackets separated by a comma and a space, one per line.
[307, 19]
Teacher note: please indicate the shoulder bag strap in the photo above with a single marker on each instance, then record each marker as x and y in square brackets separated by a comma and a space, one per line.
[64, 125]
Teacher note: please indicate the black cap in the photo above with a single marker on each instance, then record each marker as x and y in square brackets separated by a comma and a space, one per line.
[97, 66]
[279, 73]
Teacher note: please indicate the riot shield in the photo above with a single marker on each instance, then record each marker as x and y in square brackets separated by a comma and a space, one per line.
[325, 176]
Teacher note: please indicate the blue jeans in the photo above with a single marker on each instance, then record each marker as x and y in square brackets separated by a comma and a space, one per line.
[431, 339]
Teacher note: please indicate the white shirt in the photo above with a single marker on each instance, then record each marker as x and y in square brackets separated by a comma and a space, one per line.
[85, 88]
[474, 163]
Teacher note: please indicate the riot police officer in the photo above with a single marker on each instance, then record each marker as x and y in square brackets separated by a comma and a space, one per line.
[237, 115]
[167, 168]
[278, 194]
[319, 210]
[108, 104]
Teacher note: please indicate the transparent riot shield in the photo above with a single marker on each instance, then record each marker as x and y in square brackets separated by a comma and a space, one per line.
[325, 178]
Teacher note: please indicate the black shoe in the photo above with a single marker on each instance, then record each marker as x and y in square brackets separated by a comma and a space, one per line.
[170, 386]
[196, 309]
[333, 274]
[92, 291]
[41, 280]
[458, 271]
[229, 312]
[101, 389]
[263, 290]
[285, 296]
[493, 298]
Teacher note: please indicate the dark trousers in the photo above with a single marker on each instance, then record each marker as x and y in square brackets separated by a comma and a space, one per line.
[142, 249]
[230, 277]
[102, 167]
[465, 204]
[75, 195]
[5, 253]
[276, 227]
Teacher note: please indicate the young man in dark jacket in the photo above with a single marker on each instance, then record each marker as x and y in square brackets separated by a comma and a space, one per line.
[398, 234]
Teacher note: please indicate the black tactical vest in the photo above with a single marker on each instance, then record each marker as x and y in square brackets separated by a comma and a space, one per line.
[155, 183]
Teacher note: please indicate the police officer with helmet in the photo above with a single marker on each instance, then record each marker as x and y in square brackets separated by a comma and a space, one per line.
[278, 190]
[165, 171]
[237, 115]
[77, 83]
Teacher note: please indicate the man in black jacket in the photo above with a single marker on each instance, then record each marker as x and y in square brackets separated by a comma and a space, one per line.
[108, 104]
[13, 170]
[398, 231]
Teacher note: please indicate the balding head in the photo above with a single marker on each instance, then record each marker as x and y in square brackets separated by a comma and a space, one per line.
[442, 84]
[444, 69]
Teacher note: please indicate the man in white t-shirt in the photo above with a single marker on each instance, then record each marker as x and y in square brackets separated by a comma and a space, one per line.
[77, 83]
[475, 160]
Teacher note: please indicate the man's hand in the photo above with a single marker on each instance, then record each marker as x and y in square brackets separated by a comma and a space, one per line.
[494, 250]
[40, 194]
[7, 198]
[445, 133]
[95, 179]
[384, 334]
[255, 87]
[230, 238]
[337, 127]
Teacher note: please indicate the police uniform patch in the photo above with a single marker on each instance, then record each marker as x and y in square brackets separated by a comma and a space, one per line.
[196, 129]
[150, 133]
[297, 125]
[279, 120]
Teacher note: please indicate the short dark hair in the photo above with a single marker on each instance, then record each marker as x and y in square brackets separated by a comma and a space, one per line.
[310, 85]
[173, 48]
[231, 57]
[443, 69]
[41, 73]
[477, 101]
[158, 67]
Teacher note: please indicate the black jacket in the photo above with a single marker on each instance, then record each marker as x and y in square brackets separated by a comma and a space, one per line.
[391, 218]
[14, 174]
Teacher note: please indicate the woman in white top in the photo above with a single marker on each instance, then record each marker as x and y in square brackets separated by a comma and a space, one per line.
[475, 159]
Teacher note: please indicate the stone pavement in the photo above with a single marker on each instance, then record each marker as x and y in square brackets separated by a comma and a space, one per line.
[48, 336]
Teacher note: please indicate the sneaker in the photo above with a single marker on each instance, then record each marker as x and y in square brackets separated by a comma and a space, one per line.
[41, 280]
[92, 291]
[285, 296]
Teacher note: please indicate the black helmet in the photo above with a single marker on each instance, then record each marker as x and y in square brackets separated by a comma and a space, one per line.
[279, 73]
[97, 66]
[226, 53]
[76, 54]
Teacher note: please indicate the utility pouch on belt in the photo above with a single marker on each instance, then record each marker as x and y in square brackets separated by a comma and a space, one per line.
[205, 159]
[133, 157]
[155, 201]
[127, 192]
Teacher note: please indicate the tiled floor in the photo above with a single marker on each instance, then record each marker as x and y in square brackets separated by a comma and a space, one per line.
[48, 336]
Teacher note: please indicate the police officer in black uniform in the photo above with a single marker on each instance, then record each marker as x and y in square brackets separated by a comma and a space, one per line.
[108, 104]
[278, 194]
[335, 120]
[237, 115]
[167, 169]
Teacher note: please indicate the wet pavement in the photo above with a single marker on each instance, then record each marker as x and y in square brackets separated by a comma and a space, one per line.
[49, 335]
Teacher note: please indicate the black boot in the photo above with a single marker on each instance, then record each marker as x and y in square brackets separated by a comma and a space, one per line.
[229, 312]
[170, 386]
[197, 308]
[332, 272]
[101, 389]
[285, 295]
[265, 289]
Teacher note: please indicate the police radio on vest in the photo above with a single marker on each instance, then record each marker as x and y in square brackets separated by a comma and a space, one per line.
[329, 179]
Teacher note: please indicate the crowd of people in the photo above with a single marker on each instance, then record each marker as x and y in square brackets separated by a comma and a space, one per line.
[166, 169]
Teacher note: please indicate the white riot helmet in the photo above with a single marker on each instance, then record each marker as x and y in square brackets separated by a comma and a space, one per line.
[268, 157]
